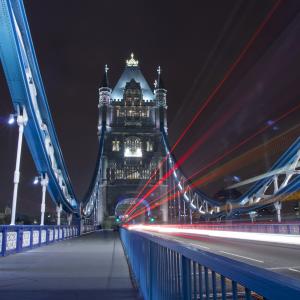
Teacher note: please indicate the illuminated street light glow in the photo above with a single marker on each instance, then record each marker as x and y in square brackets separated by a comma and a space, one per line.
[12, 119]
[36, 180]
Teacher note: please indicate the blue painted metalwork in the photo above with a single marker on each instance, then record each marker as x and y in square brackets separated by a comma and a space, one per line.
[165, 269]
[19, 238]
[92, 195]
[26, 88]
[246, 202]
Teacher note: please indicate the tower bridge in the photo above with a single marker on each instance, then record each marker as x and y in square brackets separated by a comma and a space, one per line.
[172, 241]
[130, 118]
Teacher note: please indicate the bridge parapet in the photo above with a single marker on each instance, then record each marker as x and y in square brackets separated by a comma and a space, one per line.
[20, 238]
[165, 269]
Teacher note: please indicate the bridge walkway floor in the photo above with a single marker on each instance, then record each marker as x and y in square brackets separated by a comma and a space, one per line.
[92, 266]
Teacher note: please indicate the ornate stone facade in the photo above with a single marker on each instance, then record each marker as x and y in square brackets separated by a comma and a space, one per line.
[133, 114]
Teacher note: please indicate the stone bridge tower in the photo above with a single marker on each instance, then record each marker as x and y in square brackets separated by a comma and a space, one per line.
[134, 115]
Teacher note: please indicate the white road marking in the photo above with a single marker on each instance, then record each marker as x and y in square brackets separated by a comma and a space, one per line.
[204, 247]
[233, 254]
[196, 245]
[291, 269]
[282, 268]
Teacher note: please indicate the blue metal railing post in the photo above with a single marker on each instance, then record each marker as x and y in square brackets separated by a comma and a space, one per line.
[40, 235]
[31, 238]
[234, 291]
[206, 282]
[150, 270]
[4, 240]
[186, 278]
[200, 270]
[47, 235]
[214, 285]
[223, 287]
[19, 231]
[1, 245]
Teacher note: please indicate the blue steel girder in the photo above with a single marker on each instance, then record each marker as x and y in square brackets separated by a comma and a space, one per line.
[254, 199]
[92, 195]
[26, 88]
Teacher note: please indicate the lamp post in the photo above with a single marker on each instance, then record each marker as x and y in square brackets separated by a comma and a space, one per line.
[278, 207]
[44, 180]
[70, 219]
[58, 211]
[21, 118]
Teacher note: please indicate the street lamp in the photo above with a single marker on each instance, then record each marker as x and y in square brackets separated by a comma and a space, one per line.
[21, 118]
[43, 180]
[58, 212]
[12, 119]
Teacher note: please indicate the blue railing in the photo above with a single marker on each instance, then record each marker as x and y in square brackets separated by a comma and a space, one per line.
[165, 269]
[19, 238]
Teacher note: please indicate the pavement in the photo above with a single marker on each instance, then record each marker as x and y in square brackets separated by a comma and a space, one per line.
[279, 258]
[92, 266]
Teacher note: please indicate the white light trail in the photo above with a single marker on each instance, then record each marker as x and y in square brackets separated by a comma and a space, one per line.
[250, 236]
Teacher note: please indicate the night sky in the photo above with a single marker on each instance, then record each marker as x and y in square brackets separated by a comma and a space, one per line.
[194, 42]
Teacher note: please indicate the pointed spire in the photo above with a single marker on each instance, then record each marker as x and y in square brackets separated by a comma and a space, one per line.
[159, 82]
[104, 82]
[159, 70]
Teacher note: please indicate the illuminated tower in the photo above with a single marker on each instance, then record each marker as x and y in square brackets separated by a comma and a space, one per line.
[134, 116]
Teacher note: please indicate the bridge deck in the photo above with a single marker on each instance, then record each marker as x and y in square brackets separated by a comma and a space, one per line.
[89, 267]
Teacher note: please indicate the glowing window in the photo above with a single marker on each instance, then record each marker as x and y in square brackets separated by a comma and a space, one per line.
[149, 146]
[133, 147]
[115, 145]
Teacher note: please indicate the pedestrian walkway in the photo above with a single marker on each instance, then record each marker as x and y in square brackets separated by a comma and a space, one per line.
[92, 266]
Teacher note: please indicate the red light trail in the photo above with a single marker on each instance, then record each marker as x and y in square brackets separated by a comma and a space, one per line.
[202, 180]
[210, 98]
[261, 130]
[185, 156]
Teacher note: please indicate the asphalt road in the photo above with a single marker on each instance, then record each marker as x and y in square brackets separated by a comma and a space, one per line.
[92, 266]
[280, 258]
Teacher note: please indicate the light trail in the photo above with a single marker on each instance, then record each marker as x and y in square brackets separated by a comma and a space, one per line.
[129, 209]
[250, 236]
[293, 196]
[185, 156]
[211, 96]
[251, 155]
[213, 175]
[228, 73]
[261, 130]
[155, 205]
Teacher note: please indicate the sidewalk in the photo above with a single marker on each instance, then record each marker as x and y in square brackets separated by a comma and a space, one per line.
[92, 266]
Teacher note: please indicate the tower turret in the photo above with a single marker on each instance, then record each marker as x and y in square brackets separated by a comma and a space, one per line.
[160, 101]
[104, 101]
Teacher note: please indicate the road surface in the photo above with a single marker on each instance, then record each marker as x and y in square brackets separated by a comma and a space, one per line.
[280, 258]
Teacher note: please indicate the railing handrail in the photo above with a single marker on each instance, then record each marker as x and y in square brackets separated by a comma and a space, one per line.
[264, 282]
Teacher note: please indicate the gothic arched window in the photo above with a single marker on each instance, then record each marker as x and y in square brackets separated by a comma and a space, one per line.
[115, 145]
[133, 147]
